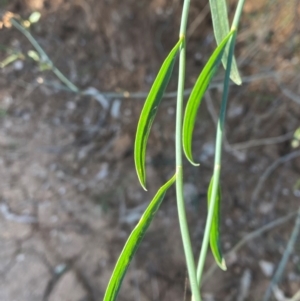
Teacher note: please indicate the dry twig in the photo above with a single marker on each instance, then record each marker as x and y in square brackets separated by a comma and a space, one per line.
[289, 248]
[262, 142]
[248, 238]
[269, 170]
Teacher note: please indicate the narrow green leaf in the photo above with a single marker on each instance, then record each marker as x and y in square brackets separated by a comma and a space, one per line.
[221, 28]
[149, 111]
[133, 243]
[215, 242]
[196, 97]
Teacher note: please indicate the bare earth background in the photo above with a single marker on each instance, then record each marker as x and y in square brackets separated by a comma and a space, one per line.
[69, 195]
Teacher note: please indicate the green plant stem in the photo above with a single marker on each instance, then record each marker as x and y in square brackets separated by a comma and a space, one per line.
[217, 164]
[237, 15]
[44, 57]
[218, 150]
[190, 261]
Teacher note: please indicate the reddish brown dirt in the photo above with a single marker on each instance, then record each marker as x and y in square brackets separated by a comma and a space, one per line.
[69, 194]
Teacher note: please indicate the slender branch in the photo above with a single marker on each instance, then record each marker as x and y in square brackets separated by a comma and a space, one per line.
[237, 15]
[228, 148]
[72, 88]
[217, 84]
[190, 261]
[262, 142]
[236, 147]
[198, 20]
[218, 150]
[217, 164]
[289, 94]
[44, 57]
[284, 259]
[250, 236]
[269, 170]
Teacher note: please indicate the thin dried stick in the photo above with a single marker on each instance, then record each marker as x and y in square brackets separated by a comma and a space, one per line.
[290, 246]
[270, 169]
[199, 19]
[261, 142]
[69, 86]
[289, 94]
[247, 144]
[248, 238]
[211, 109]
[44, 57]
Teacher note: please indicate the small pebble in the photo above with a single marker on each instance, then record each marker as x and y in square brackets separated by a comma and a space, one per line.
[266, 267]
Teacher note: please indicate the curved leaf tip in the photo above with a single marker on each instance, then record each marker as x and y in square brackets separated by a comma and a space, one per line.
[196, 97]
[149, 112]
[215, 240]
[223, 265]
[142, 178]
